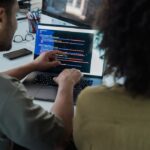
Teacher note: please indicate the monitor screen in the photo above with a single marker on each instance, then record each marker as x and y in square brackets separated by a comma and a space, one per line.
[78, 12]
[76, 43]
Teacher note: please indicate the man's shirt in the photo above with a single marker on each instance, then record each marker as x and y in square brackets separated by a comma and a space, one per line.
[23, 122]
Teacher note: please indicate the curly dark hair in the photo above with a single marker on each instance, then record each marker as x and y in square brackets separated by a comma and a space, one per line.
[125, 25]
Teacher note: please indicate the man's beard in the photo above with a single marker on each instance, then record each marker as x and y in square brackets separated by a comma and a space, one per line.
[6, 43]
[5, 47]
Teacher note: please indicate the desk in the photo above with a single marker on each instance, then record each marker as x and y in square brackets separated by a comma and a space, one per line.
[6, 64]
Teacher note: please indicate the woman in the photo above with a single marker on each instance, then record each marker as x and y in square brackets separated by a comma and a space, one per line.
[118, 117]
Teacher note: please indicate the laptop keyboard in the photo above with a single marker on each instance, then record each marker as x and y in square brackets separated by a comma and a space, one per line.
[47, 79]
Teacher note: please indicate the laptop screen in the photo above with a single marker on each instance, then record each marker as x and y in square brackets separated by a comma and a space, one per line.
[78, 45]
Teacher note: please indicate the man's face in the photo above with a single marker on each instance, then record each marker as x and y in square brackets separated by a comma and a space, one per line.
[9, 28]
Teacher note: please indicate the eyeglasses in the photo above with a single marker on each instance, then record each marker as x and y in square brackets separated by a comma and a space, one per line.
[19, 38]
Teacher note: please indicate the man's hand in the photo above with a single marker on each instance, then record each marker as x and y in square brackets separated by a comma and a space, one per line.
[63, 105]
[68, 77]
[47, 60]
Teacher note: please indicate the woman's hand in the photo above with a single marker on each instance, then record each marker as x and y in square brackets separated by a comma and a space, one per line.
[47, 60]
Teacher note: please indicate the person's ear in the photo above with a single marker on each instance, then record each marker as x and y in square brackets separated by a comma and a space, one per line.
[2, 17]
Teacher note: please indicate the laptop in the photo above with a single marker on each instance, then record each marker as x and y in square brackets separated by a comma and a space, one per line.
[81, 48]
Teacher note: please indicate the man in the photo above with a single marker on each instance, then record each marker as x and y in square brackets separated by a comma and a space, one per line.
[20, 120]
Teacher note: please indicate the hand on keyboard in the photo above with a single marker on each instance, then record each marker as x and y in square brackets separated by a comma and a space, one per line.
[68, 77]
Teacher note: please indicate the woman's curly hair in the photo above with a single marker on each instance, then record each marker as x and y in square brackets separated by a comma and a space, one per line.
[125, 25]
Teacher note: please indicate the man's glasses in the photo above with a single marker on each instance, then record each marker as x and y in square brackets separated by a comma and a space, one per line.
[19, 38]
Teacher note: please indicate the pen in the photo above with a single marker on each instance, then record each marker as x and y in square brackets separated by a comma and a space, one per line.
[35, 18]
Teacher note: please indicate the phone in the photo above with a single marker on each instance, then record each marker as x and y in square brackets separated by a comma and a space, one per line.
[18, 53]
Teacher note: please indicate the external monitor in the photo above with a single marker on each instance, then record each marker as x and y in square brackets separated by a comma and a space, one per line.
[77, 12]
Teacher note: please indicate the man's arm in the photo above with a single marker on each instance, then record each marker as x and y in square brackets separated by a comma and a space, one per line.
[63, 106]
[21, 72]
[43, 62]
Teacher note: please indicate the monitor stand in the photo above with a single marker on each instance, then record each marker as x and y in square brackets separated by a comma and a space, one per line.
[50, 20]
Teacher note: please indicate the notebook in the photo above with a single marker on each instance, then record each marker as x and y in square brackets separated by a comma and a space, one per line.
[81, 48]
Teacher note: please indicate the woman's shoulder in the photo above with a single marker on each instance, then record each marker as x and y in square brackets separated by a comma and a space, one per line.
[103, 92]
[102, 89]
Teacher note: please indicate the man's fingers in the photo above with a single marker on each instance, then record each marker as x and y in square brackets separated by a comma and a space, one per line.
[54, 52]
[54, 63]
[55, 79]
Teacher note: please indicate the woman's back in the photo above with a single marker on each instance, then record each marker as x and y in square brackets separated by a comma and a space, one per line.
[110, 119]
